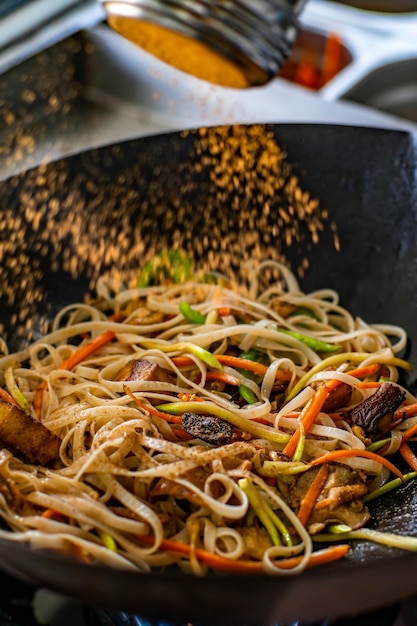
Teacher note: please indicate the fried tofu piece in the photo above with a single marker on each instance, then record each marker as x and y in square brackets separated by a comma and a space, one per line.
[27, 437]
[142, 370]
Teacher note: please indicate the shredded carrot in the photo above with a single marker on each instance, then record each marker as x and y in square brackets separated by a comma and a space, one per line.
[79, 355]
[4, 395]
[408, 455]
[251, 366]
[410, 432]
[336, 455]
[52, 514]
[235, 361]
[310, 498]
[86, 350]
[246, 567]
[183, 361]
[174, 419]
[224, 310]
[182, 434]
[261, 420]
[410, 410]
[369, 385]
[307, 417]
[222, 377]
[358, 372]
[38, 398]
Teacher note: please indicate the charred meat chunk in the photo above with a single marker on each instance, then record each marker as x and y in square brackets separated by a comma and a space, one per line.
[369, 413]
[142, 370]
[26, 436]
[339, 502]
[338, 398]
[208, 428]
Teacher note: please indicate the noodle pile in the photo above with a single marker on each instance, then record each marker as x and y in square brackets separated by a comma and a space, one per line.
[131, 478]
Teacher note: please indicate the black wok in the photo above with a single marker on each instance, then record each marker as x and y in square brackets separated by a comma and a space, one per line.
[367, 182]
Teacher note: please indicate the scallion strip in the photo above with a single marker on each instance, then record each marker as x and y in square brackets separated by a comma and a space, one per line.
[315, 344]
[281, 468]
[14, 390]
[207, 357]
[338, 359]
[108, 540]
[389, 486]
[247, 394]
[190, 314]
[298, 454]
[368, 534]
[258, 505]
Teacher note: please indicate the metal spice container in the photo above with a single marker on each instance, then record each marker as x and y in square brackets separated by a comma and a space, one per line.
[234, 43]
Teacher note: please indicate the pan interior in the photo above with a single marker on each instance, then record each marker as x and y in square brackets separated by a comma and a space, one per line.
[338, 205]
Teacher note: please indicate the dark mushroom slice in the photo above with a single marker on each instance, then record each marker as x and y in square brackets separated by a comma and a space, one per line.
[26, 436]
[370, 413]
[208, 428]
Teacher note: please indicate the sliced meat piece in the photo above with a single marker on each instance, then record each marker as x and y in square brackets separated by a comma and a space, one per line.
[371, 413]
[197, 476]
[144, 316]
[256, 540]
[338, 398]
[26, 436]
[284, 309]
[142, 370]
[339, 502]
[208, 428]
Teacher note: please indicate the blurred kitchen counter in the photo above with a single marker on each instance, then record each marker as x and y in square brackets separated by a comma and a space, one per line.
[96, 88]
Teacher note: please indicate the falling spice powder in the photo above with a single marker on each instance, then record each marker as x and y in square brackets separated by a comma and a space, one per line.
[226, 196]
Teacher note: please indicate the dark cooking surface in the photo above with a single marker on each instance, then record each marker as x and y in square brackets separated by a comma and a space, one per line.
[25, 605]
[113, 206]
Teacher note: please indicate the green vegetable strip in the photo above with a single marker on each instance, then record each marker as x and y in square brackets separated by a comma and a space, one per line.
[172, 265]
[14, 390]
[387, 539]
[298, 454]
[284, 532]
[207, 357]
[205, 408]
[339, 529]
[303, 310]
[190, 314]
[311, 342]
[377, 445]
[259, 505]
[254, 355]
[338, 359]
[108, 540]
[281, 468]
[247, 394]
[389, 486]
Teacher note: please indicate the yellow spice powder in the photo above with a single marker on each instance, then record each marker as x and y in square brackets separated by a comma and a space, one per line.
[186, 54]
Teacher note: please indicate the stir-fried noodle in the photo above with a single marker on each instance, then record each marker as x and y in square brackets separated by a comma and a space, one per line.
[201, 424]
